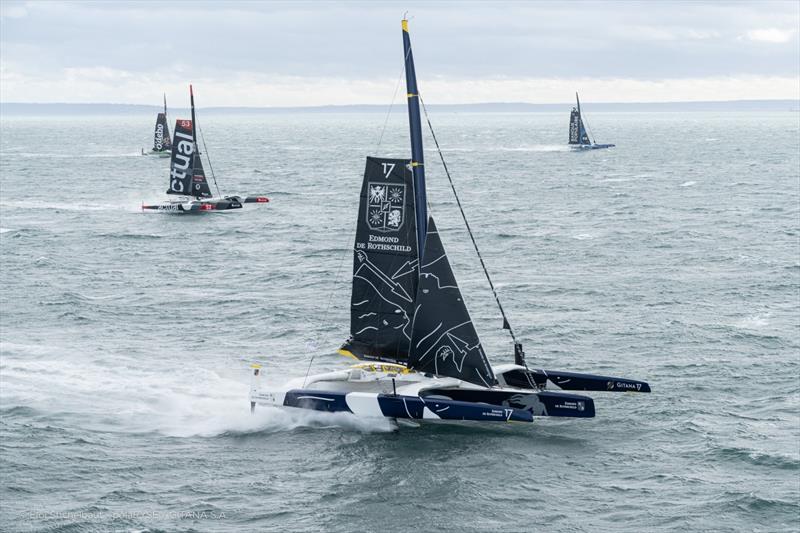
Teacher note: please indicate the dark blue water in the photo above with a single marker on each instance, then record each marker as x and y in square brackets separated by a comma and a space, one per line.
[126, 337]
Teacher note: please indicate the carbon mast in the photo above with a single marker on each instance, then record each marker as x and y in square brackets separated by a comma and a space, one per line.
[417, 155]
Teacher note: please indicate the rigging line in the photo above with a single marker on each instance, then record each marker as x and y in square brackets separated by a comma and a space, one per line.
[466, 223]
[326, 313]
[391, 105]
[210, 167]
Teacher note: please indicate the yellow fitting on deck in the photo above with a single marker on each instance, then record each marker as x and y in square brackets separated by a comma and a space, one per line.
[346, 353]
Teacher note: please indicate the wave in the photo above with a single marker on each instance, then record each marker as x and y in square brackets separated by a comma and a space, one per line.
[757, 458]
[174, 402]
[44, 155]
[537, 148]
[65, 206]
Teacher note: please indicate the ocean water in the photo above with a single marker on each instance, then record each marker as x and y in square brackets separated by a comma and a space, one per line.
[126, 336]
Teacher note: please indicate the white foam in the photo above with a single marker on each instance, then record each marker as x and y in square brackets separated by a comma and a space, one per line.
[538, 148]
[65, 206]
[754, 321]
[688, 183]
[123, 396]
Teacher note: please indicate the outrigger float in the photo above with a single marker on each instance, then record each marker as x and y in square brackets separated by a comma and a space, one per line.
[187, 179]
[578, 136]
[421, 358]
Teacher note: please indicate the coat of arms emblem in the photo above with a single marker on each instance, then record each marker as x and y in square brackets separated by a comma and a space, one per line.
[386, 206]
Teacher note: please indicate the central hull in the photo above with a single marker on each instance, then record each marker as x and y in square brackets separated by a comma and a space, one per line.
[383, 391]
[581, 147]
[196, 206]
[377, 405]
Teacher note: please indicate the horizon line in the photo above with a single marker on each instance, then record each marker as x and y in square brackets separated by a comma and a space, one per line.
[649, 102]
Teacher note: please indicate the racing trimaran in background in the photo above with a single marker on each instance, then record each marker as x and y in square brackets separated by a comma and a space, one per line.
[187, 179]
[578, 137]
[162, 143]
[422, 358]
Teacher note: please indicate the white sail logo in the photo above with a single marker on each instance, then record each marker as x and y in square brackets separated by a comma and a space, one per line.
[385, 206]
[181, 160]
[159, 136]
[573, 127]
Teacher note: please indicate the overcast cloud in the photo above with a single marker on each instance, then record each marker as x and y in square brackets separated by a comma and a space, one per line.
[317, 53]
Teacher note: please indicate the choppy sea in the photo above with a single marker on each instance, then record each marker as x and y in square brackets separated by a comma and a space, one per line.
[126, 337]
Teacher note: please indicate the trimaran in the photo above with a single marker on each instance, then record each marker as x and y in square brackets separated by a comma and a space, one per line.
[578, 136]
[187, 179]
[421, 355]
[162, 143]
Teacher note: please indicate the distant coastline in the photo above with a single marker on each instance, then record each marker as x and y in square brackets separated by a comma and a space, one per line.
[51, 109]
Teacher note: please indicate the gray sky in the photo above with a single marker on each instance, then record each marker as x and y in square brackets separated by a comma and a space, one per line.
[316, 53]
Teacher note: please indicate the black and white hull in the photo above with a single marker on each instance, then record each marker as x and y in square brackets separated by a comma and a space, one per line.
[384, 390]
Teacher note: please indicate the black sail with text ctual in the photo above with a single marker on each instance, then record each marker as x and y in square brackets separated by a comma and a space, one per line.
[385, 263]
[182, 160]
[186, 174]
[443, 339]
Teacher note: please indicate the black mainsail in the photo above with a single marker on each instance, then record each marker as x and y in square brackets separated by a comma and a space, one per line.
[385, 263]
[186, 174]
[577, 131]
[400, 311]
[443, 339]
[161, 139]
[386, 254]
[181, 164]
